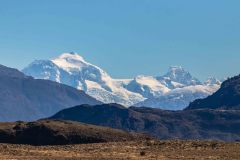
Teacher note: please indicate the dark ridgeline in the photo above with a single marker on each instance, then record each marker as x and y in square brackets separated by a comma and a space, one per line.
[24, 98]
[202, 124]
[216, 117]
[61, 133]
[226, 98]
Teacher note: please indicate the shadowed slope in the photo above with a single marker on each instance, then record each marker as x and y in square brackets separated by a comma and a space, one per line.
[25, 98]
[61, 132]
[192, 124]
[227, 97]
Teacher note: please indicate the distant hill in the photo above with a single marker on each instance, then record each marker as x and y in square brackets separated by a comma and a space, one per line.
[61, 132]
[27, 99]
[189, 124]
[227, 97]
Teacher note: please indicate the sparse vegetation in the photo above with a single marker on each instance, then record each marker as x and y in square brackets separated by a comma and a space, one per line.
[133, 150]
[142, 153]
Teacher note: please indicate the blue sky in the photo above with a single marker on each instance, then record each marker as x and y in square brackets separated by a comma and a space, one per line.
[125, 37]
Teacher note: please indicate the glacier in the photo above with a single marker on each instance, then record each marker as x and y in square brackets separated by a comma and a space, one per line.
[173, 91]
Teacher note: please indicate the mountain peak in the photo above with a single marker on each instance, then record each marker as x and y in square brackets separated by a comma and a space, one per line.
[69, 61]
[70, 56]
[212, 81]
[180, 75]
[73, 53]
[176, 70]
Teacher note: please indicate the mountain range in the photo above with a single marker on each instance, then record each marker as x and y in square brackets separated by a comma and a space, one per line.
[199, 124]
[216, 117]
[25, 98]
[172, 91]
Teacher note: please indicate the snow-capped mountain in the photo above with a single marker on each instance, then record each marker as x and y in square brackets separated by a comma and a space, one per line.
[178, 77]
[147, 86]
[161, 91]
[71, 69]
[27, 99]
[212, 81]
[179, 98]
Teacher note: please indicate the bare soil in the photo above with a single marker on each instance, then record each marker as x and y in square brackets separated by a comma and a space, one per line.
[144, 150]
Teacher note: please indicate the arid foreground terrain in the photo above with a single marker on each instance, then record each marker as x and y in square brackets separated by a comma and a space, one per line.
[126, 150]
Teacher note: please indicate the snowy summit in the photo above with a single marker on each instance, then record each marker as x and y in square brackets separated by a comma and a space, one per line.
[162, 92]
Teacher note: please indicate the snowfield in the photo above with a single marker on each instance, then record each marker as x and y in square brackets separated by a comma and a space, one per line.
[172, 91]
